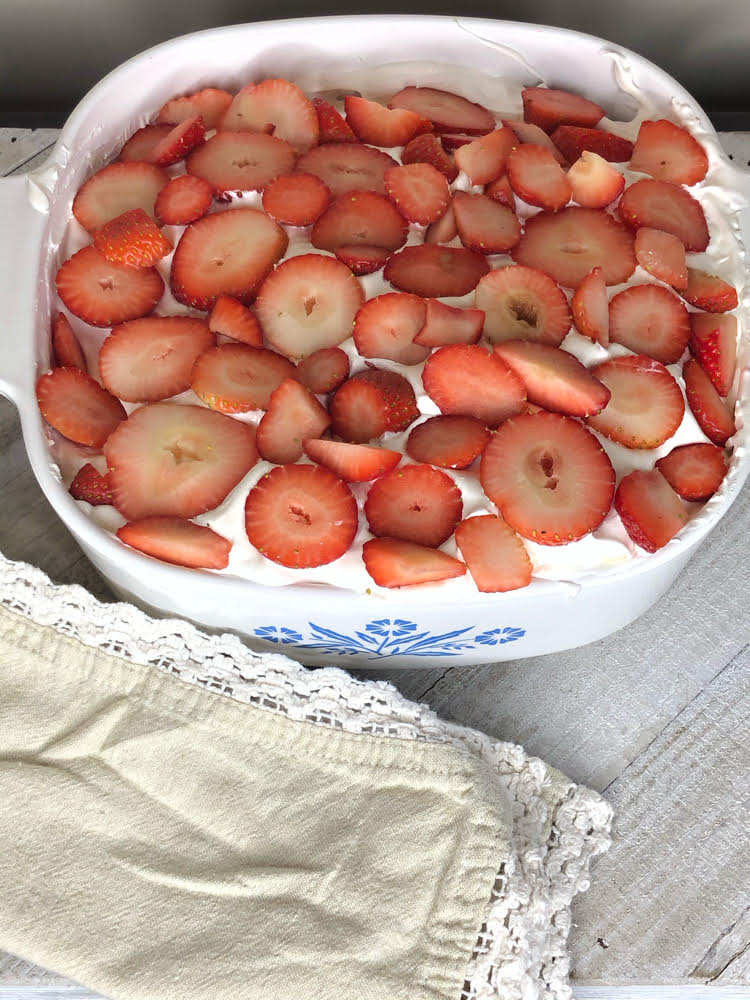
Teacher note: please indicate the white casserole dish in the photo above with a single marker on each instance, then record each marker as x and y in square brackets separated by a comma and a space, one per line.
[315, 623]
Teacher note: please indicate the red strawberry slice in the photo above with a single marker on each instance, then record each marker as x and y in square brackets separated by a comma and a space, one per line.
[141, 144]
[538, 178]
[380, 126]
[415, 503]
[549, 477]
[662, 255]
[371, 403]
[528, 133]
[649, 508]
[646, 406]
[669, 153]
[707, 406]
[434, 271]
[419, 191]
[554, 379]
[183, 200]
[484, 159]
[231, 319]
[449, 441]
[590, 307]
[572, 141]
[307, 303]
[301, 516]
[467, 380]
[709, 292]
[445, 325]
[694, 471]
[485, 225]
[331, 125]
[133, 239]
[150, 359]
[354, 463]
[448, 112]
[175, 540]
[501, 191]
[115, 189]
[549, 108]
[178, 142]
[360, 217]
[454, 140]
[649, 319]
[394, 563]
[91, 486]
[278, 104]
[661, 205]
[495, 555]
[241, 161]
[210, 103]
[347, 166]
[293, 414]
[595, 183]
[227, 253]
[362, 259]
[713, 342]
[296, 199]
[323, 370]
[569, 243]
[385, 327]
[235, 378]
[78, 407]
[102, 293]
[444, 230]
[172, 460]
[428, 149]
[521, 303]
[65, 345]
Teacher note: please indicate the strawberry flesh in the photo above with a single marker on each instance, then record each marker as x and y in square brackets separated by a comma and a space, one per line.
[361, 258]
[230, 318]
[485, 225]
[522, 303]
[661, 205]
[713, 341]
[115, 189]
[277, 106]
[380, 126]
[323, 370]
[419, 192]
[296, 199]
[371, 403]
[495, 556]
[448, 441]
[385, 327]
[484, 159]
[590, 307]
[360, 217]
[78, 407]
[178, 541]
[448, 112]
[178, 142]
[649, 319]
[210, 103]
[554, 379]
[669, 153]
[393, 563]
[467, 380]
[65, 345]
[708, 292]
[446, 324]
[142, 143]
[102, 293]
[293, 414]
[434, 271]
[236, 378]
[415, 503]
[549, 108]
[354, 463]
[332, 126]
[91, 486]
[573, 140]
[649, 509]
[133, 239]
[538, 178]
[662, 255]
[345, 166]
[428, 149]
[594, 182]
[241, 161]
[706, 405]
[183, 200]
[694, 471]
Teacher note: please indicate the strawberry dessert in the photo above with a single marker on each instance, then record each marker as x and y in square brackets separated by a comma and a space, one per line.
[398, 338]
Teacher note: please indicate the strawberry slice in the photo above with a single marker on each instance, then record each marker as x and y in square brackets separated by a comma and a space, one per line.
[694, 471]
[78, 407]
[449, 441]
[133, 239]
[141, 144]
[354, 463]
[296, 199]
[485, 225]
[662, 255]
[501, 191]
[649, 509]
[428, 149]
[227, 253]
[293, 414]
[554, 379]
[371, 403]
[448, 112]
[590, 307]
[235, 378]
[115, 189]
[595, 183]
[569, 243]
[549, 108]
[179, 141]
[307, 303]
[573, 141]
[175, 540]
[549, 477]
[331, 125]
[362, 259]
[434, 271]
[538, 178]
[649, 319]
[707, 406]
[521, 303]
[385, 327]
[278, 104]
[210, 103]
[301, 516]
[91, 486]
[467, 380]
[419, 191]
[395, 563]
[241, 161]
[360, 217]
[708, 292]
[347, 166]
[661, 205]
[526, 132]
[323, 370]
[445, 325]
[65, 345]
[444, 230]
[453, 140]
[231, 319]
[102, 293]
[646, 406]
[669, 153]
[713, 342]
[484, 159]
[415, 503]
[380, 126]
[177, 461]
[150, 359]
[495, 555]
[183, 200]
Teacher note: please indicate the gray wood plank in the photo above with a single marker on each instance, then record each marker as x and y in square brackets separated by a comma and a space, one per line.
[19, 145]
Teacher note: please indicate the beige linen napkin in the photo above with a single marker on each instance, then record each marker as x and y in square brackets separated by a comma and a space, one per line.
[181, 818]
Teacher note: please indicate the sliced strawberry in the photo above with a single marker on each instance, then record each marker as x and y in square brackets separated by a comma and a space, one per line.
[709, 292]
[445, 325]
[179, 141]
[78, 407]
[278, 104]
[347, 166]
[538, 178]
[65, 345]
[454, 140]
[141, 144]
[385, 327]
[210, 103]
[669, 153]
[662, 255]
[428, 149]
[362, 259]
[231, 319]
[554, 379]
[569, 243]
[448, 112]
[501, 191]
[323, 370]
[331, 125]
[102, 293]
[296, 199]
[175, 540]
[293, 414]
[713, 342]
[177, 460]
[649, 319]
[444, 230]
[235, 378]
[360, 217]
[378, 125]
[522, 303]
[183, 200]
[649, 509]
[573, 141]
[694, 471]
[495, 555]
[449, 441]
[241, 161]
[307, 303]
[646, 406]
[354, 463]
[590, 307]
[115, 189]
[549, 477]
[485, 225]
[419, 191]
[371, 403]
[91, 486]
[484, 159]
[549, 108]
[227, 253]
[434, 271]
[526, 132]
[301, 516]
[415, 503]
[395, 563]
[133, 239]
[661, 205]
[595, 183]
[466, 379]
[707, 406]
